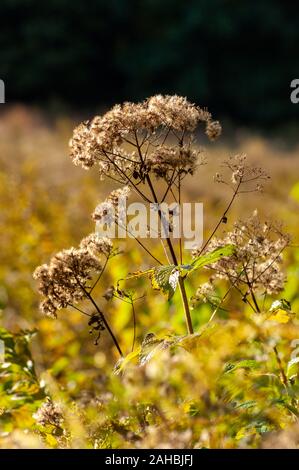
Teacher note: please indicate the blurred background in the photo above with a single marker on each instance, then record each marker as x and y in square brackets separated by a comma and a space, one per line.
[236, 58]
[63, 62]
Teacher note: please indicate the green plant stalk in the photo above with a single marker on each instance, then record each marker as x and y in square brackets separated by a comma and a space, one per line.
[171, 249]
[89, 296]
[186, 306]
[183, 293]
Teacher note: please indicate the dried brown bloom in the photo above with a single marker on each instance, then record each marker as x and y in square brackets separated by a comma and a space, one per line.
[97, 245]
[257, 259]
[83, 146]
[64, 280]
[176, 112]
[49, 413]
[206, 294]
[213, 130]
[165, 160]
[113, 207]
[126, 140]
[117, 195]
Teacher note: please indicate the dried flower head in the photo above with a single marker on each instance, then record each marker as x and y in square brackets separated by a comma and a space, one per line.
[64, 280]
[165, 160]
[97, 245]
[126, 140]
[205, 293]
[113, 208]
[256, 262]
[83, 146]
[176, 112]
[213, 130]
[49, 413]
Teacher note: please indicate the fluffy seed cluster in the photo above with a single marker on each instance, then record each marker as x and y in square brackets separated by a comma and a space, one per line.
[97, 245]
[121, 141]
[49, 413]
[176, 112]
[213, 129]
[84, 149]
[64, 280]
[113, 208]
[257, 259]
[165, 160]
[206, 294]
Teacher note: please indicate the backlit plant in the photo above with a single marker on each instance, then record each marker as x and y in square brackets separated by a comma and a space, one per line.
[148, 149]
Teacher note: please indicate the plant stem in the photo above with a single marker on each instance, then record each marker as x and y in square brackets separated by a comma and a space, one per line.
[106, 324]
[188, 318]
[251, 291]
[139, 242]
[175, 261]
[282, 372]
[171, 249]
[134, 325]
[102, 317]
[221, 218]
[100, 275]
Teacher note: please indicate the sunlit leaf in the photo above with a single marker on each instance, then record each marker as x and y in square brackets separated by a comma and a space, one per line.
[152, 345]
[191, 343]
[165, 278]
[281, 311]
[244, 364]
[125, 361]
[212, 257]
[293, 368]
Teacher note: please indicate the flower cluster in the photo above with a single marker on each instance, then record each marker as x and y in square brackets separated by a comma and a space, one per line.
[256, 261]
[64, 280]
[213, 129]
[83, 146]
[164, 160]
[175, 112]
[121, 141]
[97, 245]
[49, 413]
[113, 208]
[206, 294]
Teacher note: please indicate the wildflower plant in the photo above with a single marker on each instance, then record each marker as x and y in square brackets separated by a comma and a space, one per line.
[148, 149]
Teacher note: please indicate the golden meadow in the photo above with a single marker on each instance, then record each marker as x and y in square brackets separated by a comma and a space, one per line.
[234, 384]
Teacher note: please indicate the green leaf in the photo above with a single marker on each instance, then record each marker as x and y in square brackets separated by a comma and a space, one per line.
[244, 364]
[280, 311]
[281, 304]
[293, 368]
[246, 405]
[152, 345]
[191, 343]
[124, 361]
[212, 257]
[165, 278]
[19, 384]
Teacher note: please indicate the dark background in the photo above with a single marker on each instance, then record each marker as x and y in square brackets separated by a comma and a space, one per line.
[235, 57]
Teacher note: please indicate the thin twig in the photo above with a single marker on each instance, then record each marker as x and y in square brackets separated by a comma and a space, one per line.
[282, 372]
[221, 218]
[134, 325]
[100, 275]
